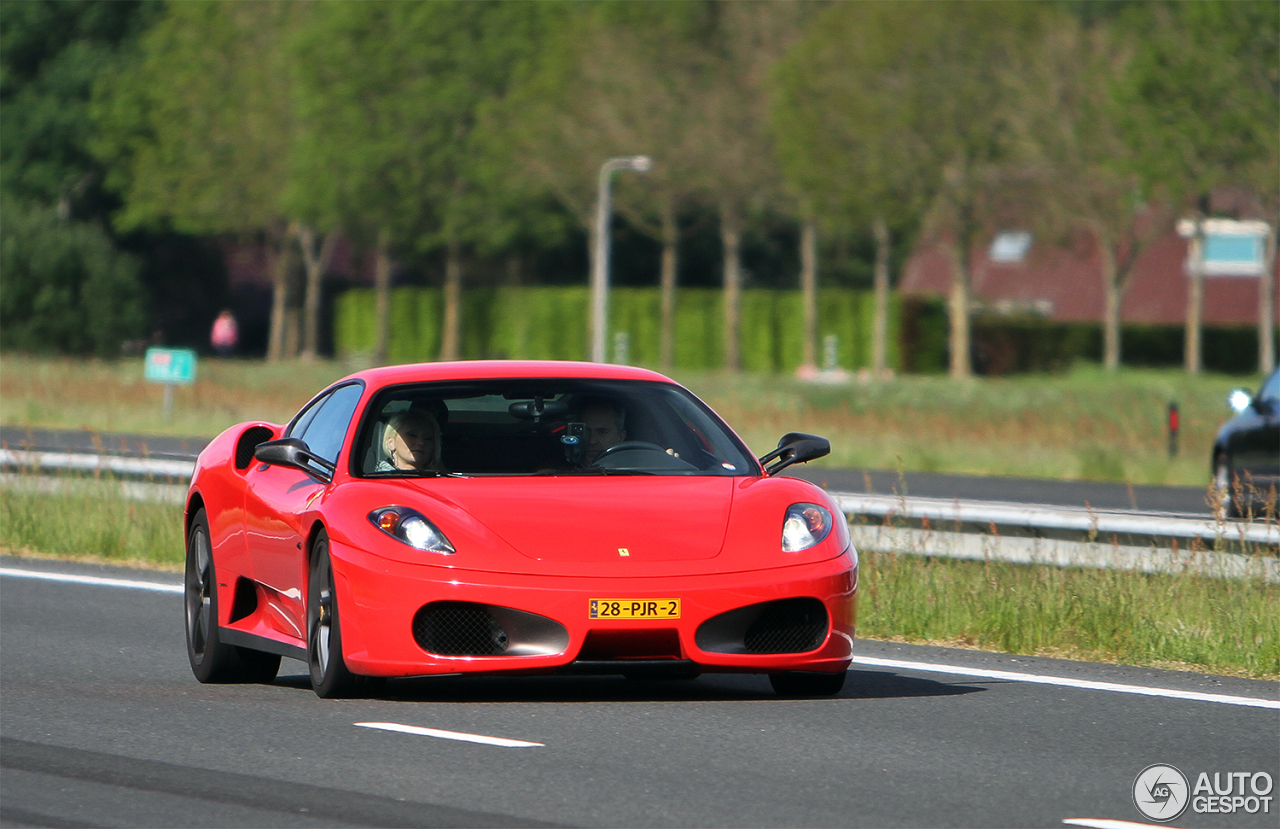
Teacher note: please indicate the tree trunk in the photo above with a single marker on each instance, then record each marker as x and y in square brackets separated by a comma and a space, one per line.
[451, 333]
[670, 245]
[1266, 308]
[281, 268]
[809, 292]
[880, 323]
[1195, 299]
[382, 299]
[316, 262]
[731, 240]
[1111, 305]
[959, 336]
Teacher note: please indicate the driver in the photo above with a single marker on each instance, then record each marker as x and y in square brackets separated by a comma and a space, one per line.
[606, 423]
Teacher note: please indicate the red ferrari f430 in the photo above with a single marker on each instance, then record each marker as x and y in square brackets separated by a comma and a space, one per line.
[513, 517]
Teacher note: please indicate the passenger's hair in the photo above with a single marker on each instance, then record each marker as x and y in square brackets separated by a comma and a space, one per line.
[397, 421]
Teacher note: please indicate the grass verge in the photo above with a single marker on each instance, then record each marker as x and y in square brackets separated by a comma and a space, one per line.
[1222, 626]
[1218, 626]
[91, 526]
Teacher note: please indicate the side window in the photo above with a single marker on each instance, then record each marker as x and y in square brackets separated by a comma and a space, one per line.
[325, 425]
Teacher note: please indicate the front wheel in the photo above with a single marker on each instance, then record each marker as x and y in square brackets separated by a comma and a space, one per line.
[802, 684]
[211, 659]
[329, 675]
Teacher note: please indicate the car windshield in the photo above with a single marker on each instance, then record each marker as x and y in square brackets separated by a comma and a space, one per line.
[545, 427]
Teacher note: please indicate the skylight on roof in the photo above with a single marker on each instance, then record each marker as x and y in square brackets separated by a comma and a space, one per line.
[1010, 246]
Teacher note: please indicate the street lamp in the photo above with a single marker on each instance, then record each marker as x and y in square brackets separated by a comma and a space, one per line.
[600, 264]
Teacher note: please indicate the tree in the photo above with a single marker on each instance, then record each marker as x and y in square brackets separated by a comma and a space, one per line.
[1068, 124]
[828, 131]
[393, 96]
[199, 131]
[66, 286]
[923, 93]
[1198, 108]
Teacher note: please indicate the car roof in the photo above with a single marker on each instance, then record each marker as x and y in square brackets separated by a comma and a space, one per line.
[500, 369]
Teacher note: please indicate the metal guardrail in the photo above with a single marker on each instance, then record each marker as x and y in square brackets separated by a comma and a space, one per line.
[79, 462]
[1041, 520]
[982, 530]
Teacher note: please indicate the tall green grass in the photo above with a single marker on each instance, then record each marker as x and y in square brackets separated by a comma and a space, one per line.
[1165, 621]
[94, 524]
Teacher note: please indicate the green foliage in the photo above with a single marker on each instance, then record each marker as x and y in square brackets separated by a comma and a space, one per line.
[199, 129]
[50, 54]
[1201, 102]
[547, 324]
[66, 286]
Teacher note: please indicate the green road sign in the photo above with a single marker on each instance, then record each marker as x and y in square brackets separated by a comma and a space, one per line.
[171, 365]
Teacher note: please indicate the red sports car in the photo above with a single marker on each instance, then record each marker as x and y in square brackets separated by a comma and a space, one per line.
[513, 517]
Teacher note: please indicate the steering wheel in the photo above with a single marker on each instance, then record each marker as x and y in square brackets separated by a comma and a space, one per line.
[624, 446]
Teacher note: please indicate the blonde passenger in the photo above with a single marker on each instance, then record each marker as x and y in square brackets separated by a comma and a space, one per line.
[411, 443]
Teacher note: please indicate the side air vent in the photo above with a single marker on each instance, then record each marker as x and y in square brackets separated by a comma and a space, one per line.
[471, 629]
[784, 626]
[249, 440]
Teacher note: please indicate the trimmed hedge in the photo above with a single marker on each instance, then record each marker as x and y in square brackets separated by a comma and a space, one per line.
[551, 323]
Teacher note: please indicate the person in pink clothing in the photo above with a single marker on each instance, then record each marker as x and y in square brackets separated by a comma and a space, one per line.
[225, 334]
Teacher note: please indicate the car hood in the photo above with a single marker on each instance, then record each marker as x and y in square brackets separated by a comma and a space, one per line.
[562, 519]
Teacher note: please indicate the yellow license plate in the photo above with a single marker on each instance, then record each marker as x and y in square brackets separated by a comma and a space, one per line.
[635, 608]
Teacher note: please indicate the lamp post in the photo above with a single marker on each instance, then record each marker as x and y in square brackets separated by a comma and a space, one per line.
[600, 263]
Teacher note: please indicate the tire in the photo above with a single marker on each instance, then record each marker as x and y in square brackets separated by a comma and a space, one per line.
[211, 660]
[1227, 488]
[803, 684]
[330, 678]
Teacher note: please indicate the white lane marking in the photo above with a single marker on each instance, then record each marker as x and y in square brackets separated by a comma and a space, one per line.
[154, 586]
[1088, 684]
[448, 735]
[1108, 823]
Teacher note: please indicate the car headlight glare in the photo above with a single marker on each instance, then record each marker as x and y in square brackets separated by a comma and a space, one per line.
[411, 527]
[804, 526]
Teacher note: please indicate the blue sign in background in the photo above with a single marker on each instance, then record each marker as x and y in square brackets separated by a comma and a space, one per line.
[171, 365]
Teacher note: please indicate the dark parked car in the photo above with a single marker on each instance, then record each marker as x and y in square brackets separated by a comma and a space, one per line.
[1246, 454]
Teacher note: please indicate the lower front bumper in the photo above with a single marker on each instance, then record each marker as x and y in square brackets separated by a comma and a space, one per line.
[378, 600]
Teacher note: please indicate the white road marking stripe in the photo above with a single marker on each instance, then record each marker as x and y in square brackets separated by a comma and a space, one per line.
[448, 735]
[1088, 684]
[1108, 823]
[154, 586]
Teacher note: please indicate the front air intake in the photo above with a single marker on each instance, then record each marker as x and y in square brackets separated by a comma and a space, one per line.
[788, 626]
[473, 629]
[785, 626]
[459, 629]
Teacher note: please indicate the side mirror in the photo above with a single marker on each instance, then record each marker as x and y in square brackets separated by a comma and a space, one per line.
[795, 447]
[294, 452]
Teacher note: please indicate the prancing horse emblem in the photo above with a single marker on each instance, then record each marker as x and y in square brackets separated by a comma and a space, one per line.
[622, 551]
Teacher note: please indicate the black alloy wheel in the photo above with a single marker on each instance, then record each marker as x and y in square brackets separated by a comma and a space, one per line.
[211, 659]
[330, 678]
[804, 684]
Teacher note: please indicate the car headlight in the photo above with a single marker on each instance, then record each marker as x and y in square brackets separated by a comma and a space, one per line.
[804, 526]
[411, 527]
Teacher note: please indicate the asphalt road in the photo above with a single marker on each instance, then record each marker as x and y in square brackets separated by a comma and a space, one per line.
[1098, 495]
[103, 725]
